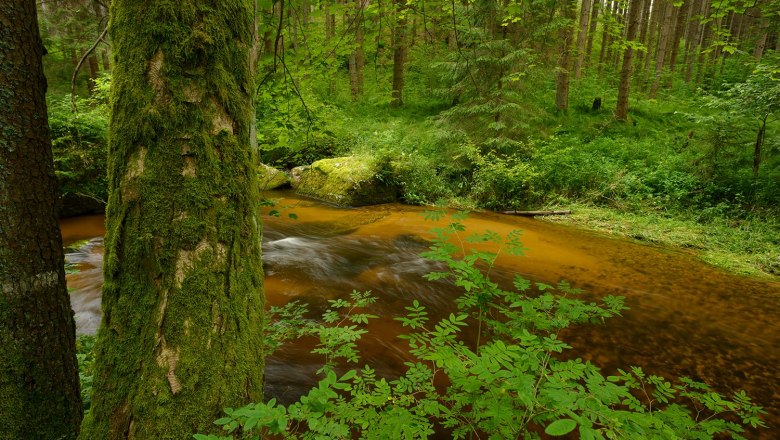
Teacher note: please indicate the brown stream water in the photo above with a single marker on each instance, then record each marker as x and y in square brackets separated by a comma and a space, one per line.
[686, 318]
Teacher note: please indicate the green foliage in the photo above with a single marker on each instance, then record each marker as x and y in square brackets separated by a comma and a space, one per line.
[79, 144]
[505, 380]
[85, 356]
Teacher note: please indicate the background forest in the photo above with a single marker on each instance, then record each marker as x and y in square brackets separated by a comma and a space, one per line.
[664, 113]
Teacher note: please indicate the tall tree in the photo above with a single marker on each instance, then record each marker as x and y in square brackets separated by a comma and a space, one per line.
[582, 36]
[564, 60]
[666, 26]
[38, 374]
[399, 54]
[182, 299]
[635, 8]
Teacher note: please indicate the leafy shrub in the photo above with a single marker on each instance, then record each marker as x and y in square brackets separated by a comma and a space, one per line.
[79, 145]
[505, 380]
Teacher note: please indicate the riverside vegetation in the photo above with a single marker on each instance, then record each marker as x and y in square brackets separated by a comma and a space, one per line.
[473, 105]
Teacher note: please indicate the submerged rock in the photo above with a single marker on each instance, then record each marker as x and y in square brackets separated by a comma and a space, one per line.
[346, 181]
[271, 178]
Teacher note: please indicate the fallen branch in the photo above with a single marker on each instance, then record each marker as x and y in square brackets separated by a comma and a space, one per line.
[535, 213]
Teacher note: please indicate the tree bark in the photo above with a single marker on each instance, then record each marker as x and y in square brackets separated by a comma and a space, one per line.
[679, 31]
[660, 56]
[594, 19]
[181, 336]
[635, 8]
[758, 146]
[582, 37]
[399, 55]
[564, 61]
[39, 381]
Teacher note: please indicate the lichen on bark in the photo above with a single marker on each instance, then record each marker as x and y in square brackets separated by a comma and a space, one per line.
[181, 333]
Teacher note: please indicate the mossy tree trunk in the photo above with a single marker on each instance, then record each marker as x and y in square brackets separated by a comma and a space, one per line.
[39, 385]
[182, 298]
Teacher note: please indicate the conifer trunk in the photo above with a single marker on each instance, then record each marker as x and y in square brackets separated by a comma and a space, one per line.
[399, 56]
[181, 335]
[635, 8]
[39, 384]
[594, 19]
[582, 37]
[564, 61]
[663, 40]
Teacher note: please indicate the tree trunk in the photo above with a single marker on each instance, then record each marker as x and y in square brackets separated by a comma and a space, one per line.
[94, 72]
[682, 20]
[582, 37]
[653, 30]
[356, 57]
[643, 39]
[606, 18]
[39, 381]
[399, 56]
[635, 8]
[564, 61]
[594, 19]
[181, 336]
[758, 146]
[660, 56]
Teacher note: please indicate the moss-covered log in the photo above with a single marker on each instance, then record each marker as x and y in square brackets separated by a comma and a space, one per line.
[39, 385]
[182, 300]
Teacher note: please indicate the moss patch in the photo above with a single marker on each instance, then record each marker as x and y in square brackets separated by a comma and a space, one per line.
[271, 178]
[346, 181]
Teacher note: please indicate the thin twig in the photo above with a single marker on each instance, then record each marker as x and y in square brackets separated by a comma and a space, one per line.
[78, 67]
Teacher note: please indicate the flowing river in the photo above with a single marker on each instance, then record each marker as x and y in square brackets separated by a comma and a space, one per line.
[685, 319]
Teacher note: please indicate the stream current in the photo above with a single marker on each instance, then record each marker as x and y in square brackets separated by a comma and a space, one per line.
[685, 319]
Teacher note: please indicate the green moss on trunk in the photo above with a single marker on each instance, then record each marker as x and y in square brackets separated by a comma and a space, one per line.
[182, 300]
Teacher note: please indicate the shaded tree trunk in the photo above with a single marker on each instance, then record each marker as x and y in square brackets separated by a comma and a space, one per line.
[758, 146]
[635, 8]
[564, 61]
[181, 336]
[39, 381]
[582, 35]
[594, 19]
[399, 56]
[679, 31]
[663, 39]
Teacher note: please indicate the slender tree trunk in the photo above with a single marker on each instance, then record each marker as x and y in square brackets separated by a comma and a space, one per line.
[760, 45]
[643, 39]
[594, 19]
[359, 56]
[582, 35]
[39, 381]
[653, 30]
[660, 55]
[758, 146]
[606, 18]
[635, 8]
[94, 72]
[701, 62]
[679, 31]
[181, 336]
[696, 39]
[622, 17]
[399, 56]
[564, 61]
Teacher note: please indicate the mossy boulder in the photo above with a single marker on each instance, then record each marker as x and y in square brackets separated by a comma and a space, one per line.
[271, 178]
[346, 181]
